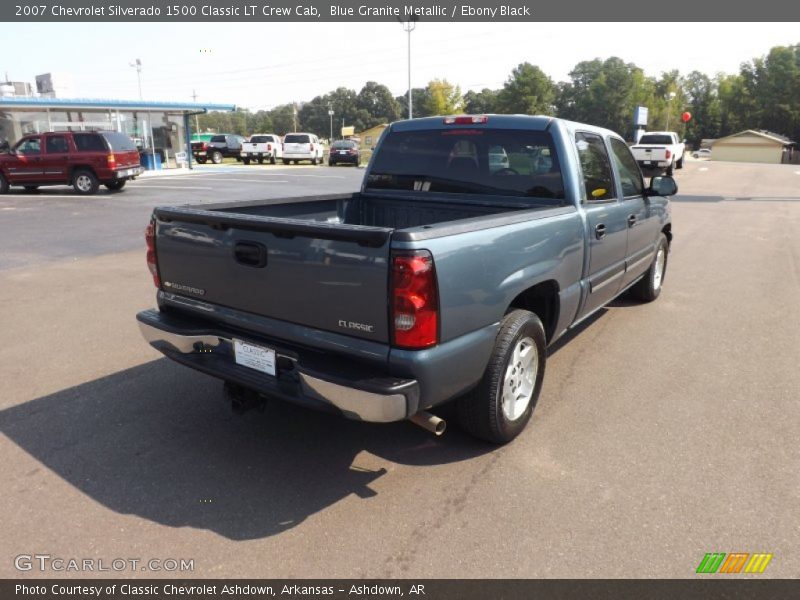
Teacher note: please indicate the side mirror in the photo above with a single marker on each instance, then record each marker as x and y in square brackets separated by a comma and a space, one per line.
[662, 186]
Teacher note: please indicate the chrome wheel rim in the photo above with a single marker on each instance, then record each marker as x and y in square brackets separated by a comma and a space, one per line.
[520, 379]
[84, 183]
[659, 270]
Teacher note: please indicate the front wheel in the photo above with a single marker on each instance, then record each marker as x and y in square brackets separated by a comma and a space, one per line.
[31, 188]
[498, 409]
[286, 162]
[85, 183]
[314, 161]
[670, 169]
[649, 287]
[247, 161]
[116, 186]
[216, 158]
[201, 161]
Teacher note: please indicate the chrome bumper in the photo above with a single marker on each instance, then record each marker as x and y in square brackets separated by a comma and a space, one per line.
[353, 402]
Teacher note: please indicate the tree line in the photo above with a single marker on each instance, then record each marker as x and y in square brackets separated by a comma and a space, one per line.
[764, 94]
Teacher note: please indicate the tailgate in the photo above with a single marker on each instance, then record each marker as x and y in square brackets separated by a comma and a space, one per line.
[650, 153]
[126, 160]
[327, 276]
[250, 147]
[296, 148]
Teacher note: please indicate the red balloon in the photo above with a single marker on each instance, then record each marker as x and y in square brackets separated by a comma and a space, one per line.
[686, 117]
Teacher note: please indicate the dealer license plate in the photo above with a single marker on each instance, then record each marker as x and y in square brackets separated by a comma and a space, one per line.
[342, 151]
[255, 357]
[647, 162]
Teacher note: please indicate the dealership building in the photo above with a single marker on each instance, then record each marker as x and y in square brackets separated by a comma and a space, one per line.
[159, 127]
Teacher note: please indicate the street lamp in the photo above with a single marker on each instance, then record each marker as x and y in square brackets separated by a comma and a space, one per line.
[330, 114]
[409, 26]
[670, 96]
[138, 66]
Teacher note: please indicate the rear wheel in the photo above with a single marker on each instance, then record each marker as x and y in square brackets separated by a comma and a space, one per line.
[649, 287]
[261, 161]
[3, 184]
[670, 169]
[314, 161]
[85, 183]
[247, 161]
[115, 186]
[202, 161]
[286, 162]
[498, 409]
[679, 164]
[331, 163]
[272, 160]
[216, 158]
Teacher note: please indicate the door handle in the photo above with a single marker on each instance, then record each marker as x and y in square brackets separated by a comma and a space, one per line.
[631, 220]
[600, 231]
[250, 254]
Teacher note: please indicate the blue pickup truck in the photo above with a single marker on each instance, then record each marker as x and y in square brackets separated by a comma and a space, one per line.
[474, 243]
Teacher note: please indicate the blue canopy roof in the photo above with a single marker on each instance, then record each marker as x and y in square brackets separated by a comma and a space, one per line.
[61, 103]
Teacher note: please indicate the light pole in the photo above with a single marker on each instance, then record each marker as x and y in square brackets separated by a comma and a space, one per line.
[670, 96]
[330, 114]
[138, 66]
[294, 116]
[409, 26]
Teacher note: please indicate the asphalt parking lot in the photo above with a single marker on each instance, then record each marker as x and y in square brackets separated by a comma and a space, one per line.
[664, 431]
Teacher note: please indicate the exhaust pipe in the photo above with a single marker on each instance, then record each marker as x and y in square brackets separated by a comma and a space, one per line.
[430, 422]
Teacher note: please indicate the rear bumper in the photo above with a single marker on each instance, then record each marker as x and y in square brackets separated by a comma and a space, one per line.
[128, 172]
[256, 154]
[307, 378]
[653, 164]
[343, 158]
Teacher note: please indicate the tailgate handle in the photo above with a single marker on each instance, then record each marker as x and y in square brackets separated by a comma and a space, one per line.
[250, 254]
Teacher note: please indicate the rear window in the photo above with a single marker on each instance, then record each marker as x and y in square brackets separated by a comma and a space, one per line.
[119, 142]
[470, 161]
[296, 138]
[218, 138]
[343, 144]
[260, 139]
[656, 139]
[89, 142]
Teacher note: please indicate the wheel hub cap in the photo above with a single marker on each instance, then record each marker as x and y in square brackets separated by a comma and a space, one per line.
[83, 183]
[520, 379]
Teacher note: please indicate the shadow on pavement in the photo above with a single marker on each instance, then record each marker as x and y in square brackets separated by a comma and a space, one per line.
[158, 441]
[710, 199]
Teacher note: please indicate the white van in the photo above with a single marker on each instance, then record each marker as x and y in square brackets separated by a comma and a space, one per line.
[302, 146]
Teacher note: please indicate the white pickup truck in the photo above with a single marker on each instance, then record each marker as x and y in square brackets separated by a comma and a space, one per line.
[261, 147]
[659, 150]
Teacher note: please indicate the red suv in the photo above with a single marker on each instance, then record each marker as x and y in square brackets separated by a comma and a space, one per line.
[84, 160]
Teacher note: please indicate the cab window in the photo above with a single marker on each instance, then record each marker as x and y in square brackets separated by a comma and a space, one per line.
[596, 167]
[56, 144]
[630, 177]
[30, 146]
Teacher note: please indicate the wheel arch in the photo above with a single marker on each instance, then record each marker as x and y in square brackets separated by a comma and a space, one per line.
[543, 300]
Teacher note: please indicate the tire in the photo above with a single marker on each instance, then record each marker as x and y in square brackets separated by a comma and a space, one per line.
[216, 157]
[116, 186]
[3, 184]
[679, 164]
[314, 161]
[649, 287]
[483, 412]
[247, 161]
[31, 188]
[261, 161]
[331, 163]
[84, 182]
[272, 160]
[202, 161]
[670, 169]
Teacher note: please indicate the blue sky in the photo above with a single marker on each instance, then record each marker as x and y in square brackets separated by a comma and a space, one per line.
[259, 65]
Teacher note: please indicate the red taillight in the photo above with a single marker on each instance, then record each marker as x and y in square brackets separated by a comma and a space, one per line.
[205, 145]
[111, 160]
[415, 302]
[269, 147]
[150, 240]
[353, 151]
[311, 147]
[669, 154]
[466, 120]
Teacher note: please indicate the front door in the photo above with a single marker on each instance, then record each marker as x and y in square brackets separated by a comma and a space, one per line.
[605, 216]
[27, 164]
[642, 222]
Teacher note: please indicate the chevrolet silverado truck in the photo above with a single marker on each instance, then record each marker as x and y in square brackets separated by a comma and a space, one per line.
[445, 278]
[659, 150]
[261, 147]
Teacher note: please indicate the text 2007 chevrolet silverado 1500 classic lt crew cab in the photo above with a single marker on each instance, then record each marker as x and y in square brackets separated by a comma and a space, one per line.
[444, 278]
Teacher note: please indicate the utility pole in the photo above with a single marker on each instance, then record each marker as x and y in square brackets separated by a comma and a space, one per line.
[294, 116]
[330, 114]
[196, 120]
[670, 96]
[409, 26]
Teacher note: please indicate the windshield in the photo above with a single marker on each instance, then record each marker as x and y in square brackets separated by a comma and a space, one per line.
[655, 139]
[472, 161]
[294, 138]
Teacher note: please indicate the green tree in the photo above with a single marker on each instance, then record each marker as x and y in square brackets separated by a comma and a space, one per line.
[528, 90]
[443, 98]
[378, 103]
[703, 104]
[419, 98]
[483, 102]
[283, 119]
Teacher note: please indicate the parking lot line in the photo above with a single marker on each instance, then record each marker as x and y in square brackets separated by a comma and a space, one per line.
[244, 180]
[171, 187]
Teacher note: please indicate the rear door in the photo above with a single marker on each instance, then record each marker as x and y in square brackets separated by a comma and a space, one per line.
[56, 157]
[605, 216]
[643, 224]
[27, 166]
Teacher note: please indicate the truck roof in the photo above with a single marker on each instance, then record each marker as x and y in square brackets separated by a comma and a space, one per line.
[532, 122]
